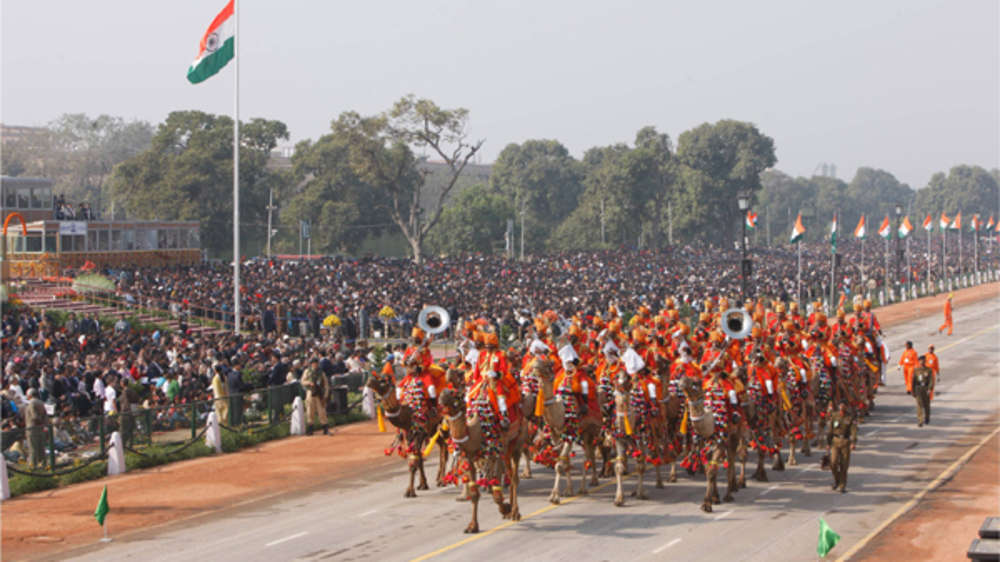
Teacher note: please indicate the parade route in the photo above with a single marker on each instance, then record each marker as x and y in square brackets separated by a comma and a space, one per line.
[364, 515]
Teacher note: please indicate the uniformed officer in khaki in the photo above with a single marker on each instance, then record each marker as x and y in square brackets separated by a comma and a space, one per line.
[317, 395]
[841, 438]
[35, 420]
[923, 387]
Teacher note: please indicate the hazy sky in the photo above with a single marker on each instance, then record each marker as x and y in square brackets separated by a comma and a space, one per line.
[908, 86]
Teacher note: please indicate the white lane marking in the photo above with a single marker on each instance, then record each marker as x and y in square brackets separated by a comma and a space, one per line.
[666, 546]
[723, 514]
[896, 419]
[288, 538]
[367, 513]
[872, 432]
[773, 487]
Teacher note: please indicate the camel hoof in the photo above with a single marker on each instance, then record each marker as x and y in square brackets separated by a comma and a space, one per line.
[728, 498]
[554, 500]
[410, 494]
[525, 476]
[706, 507]
[634, 493]
[793, 462]
[673, 478]
[642, 496]
[584, 492]
[423, 486]
[619, 502]
[779, 466]
[743, 483]
[807, 451]
[471, 529]
[505, 510]
[515, 515]
[659, 484]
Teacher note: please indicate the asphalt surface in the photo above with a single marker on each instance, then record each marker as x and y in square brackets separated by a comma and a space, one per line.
[368, 518]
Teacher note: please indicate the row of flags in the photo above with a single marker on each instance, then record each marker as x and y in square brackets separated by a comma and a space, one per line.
[885, 229]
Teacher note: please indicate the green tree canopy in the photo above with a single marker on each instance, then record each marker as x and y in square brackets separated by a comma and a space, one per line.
[474, 222]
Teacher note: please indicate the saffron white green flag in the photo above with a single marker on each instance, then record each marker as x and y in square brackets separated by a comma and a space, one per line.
[751, 220]
[798, 230]
[216, 48]
[861, 230]
[905, 228]
[885, 231]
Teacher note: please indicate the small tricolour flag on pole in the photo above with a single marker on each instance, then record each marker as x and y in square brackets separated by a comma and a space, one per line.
[833, 231]
[943, 222]
[990, 224]
[216, 48]
[827, 539]
[905, 228]
[751, 220]
[885, 231]
[957, 223]
[861, 230]
[928, 223]
[974, 224]
[798, 230]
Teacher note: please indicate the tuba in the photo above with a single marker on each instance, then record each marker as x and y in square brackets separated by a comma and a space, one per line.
[433, 320]
[736, 323]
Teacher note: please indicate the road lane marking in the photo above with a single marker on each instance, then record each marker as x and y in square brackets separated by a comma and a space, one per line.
[948, 472]
[772, 487]
[872, 433]
[666, 546]
[723, 514]
[288, 538]
[367, 513]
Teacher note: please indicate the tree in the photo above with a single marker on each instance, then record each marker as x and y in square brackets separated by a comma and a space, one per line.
[969, 189]
[187, 175]
[657, 146]
[381, 156]
[876, 192]
[718, 161]
[543, 181]
[475, 222]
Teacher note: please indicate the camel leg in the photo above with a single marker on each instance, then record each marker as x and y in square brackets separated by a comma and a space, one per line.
[423, 477]
[515, 482]
[806, 449]
[557, 483]
[592, 457]
[742, 454]
[673, 472]
[568, 466]
[640, 491]
[412, 461]
[474, 499]
[659, 477]
[791, 451]
[526, 474]
[731, 485]
[619, 472]
[760, 474]
[706, 504]
[442, 461]
[779, 462]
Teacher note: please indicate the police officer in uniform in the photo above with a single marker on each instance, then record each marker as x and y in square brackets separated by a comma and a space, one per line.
[35, 420]
[317, 395]
[841, 438]
[923, 386]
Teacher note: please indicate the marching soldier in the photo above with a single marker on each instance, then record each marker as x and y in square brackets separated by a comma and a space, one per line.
[841, 438]
[923, 388]
[317, 394]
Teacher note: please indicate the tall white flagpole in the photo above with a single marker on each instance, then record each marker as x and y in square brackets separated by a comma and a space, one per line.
[236, 167]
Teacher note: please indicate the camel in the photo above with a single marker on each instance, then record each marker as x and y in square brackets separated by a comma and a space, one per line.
[588, 430]
[633, 431]
[467, 434]
[719, 447]
[803, 408]
[413, 433]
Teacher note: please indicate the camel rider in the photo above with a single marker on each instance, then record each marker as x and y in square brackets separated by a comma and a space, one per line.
[923, 388]
[419, 346]
[608, 369]
[572, 380]
[841, 438]
[870, 321]
[493, 364]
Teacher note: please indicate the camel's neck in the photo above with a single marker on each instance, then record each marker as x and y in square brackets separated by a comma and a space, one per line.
[462, 429]
[622, 410]
[703, 421]
[554, 413]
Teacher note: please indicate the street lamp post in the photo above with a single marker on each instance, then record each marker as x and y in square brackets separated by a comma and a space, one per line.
[743, 201]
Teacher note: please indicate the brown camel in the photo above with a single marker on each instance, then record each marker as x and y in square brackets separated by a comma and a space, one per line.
[634, 432]
[467, 434]
[588, 429]
[413, 434]
[721, 448]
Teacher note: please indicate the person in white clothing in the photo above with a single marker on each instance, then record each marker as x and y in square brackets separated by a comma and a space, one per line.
[110, 396]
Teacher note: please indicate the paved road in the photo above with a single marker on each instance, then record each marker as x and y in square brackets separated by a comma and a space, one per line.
[368, 518]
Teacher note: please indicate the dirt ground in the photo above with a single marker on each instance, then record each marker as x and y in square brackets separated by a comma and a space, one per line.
[46, 523]
[942, 526]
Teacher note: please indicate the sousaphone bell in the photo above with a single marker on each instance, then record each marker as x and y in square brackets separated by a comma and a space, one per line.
[433, 320]
[737, 323]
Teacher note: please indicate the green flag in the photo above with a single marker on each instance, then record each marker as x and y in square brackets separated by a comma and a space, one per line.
[102, 507]
[827, 539]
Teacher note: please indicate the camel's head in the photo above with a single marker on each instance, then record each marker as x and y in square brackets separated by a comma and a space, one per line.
[691, 387]
[622, 381]
[451, 402]
[380, 384]
[542, 369]
[456, 377]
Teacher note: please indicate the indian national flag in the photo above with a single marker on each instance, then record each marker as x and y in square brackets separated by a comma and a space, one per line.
[974, 224]
[216, 48]
[833, 230]
[944, 221]
[751, 220]
[957, 223]
[861, 230]
[798, 230]
[905, 228]
[885, 231]
[928, 223]
[991, 224]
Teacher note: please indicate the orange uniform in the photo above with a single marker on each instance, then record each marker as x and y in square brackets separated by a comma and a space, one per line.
[908, 362]
[947, 318]
[934, 366]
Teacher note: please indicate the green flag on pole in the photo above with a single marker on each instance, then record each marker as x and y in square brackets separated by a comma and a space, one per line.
[827, 539]
[102, 507]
